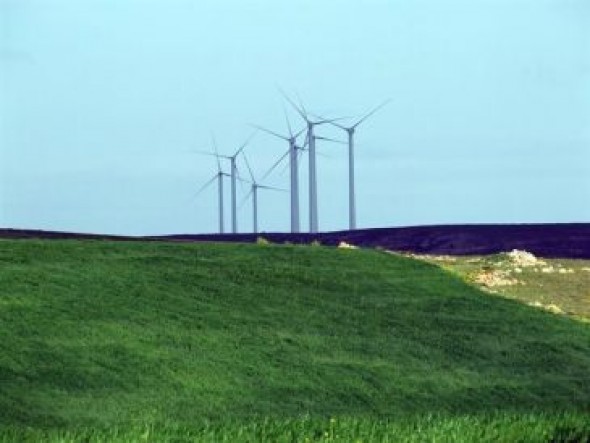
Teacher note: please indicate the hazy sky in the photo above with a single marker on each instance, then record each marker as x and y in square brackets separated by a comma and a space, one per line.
[101, 103]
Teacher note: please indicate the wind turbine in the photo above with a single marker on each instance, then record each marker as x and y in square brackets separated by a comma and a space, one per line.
[311, 139]
[219, 177]
[293, 167]
[234, 177]
[254, 192]
[351, 194]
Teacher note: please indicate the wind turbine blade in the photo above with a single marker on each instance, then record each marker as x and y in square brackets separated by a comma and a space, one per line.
[306, 142]
[288, 122]
[338, 125]
[210, 154]
[249, 168]
[202, 188]
[241, 181]
[244, 144]
[214, 142]
[268, 131]
[330, 140]
[330, 120]
[273, 167]
[371, 113]
[299, 111]
[284, 170]
[302, 106]
[272, 188]
[216, 151]
[245, 199]
[299, 133]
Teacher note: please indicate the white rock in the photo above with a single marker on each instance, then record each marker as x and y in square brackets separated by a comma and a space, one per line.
[345, 245]
[554, 309]
[522, 258]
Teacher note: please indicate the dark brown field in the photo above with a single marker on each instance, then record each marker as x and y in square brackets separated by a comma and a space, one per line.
[568, 240]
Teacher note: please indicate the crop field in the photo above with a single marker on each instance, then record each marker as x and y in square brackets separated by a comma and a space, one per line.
[146, 341]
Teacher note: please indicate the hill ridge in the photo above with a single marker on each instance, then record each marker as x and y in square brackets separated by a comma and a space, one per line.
[550, 240]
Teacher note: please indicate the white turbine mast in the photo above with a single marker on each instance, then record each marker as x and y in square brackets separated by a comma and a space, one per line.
[255, 186]
[219, 177]
[234, 176]
[351, 186]
[291, 139]
[311, 139]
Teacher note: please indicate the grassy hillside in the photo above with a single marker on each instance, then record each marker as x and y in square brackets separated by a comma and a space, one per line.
[111, 334]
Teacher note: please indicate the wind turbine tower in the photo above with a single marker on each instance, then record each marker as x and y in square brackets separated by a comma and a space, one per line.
[294, 171]
[254, 192]
[234, 212]
[351, 186]
[219, 177]
[234, 178]
[311, 139]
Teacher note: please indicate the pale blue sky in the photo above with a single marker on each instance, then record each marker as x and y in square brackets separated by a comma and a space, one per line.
[102, 101]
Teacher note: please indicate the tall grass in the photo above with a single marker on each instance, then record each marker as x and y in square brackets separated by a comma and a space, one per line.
[487, 428]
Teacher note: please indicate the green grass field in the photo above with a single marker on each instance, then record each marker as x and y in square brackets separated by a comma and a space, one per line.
[118, 341]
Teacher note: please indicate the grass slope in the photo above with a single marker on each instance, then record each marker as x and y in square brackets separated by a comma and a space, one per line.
[108, 334]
